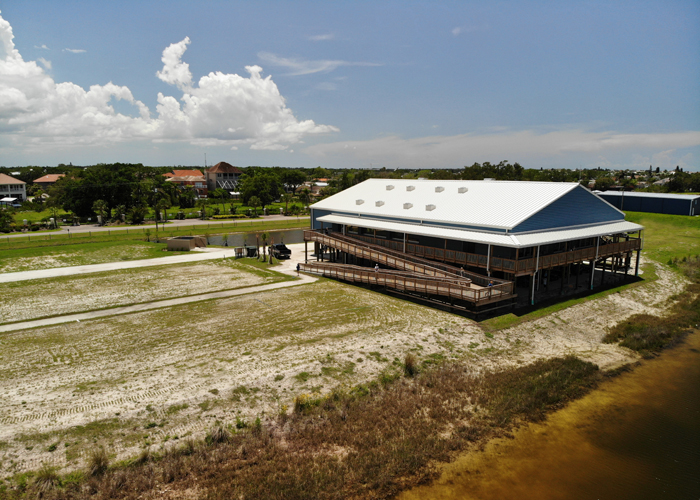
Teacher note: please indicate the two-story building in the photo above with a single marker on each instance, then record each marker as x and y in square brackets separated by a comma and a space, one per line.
[472, 244]
[193, 178]
[223, 175]
[12, 190]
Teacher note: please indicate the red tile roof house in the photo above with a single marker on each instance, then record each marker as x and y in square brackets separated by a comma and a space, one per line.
[223, 175]
[12, 190]
[198, 182]
[48, 180]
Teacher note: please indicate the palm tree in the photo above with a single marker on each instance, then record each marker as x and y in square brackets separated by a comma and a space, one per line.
[254, 202]
[265, 237]
[305, 197]
[100, 208]
[202, 204]
[286, 198]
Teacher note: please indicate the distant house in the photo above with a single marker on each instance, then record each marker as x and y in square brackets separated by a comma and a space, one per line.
[223, 175]
[184, 173]
[48, 180]
[194, 178]
[12, 190]
[198, 183]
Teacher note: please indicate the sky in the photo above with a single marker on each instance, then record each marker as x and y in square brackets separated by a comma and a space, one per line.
[351, 84]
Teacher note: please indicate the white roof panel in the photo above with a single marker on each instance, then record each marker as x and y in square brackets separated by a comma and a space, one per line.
[506, 240]
[494, 204]
[420, 229]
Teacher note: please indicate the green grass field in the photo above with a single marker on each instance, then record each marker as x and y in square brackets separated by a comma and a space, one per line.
[64, 254]
[60, 250]
[668, 236]
[273, 209]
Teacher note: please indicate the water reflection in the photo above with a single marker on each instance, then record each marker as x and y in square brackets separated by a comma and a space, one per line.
[638, 436]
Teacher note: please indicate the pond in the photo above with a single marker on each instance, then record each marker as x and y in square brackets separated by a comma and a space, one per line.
[637, 436]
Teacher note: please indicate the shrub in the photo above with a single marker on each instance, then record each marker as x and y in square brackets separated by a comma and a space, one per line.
[410, 365]
[97, 462]
[218, 435]
[46, 479]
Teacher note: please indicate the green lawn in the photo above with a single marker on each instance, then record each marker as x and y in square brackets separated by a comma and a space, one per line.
[224, 208]
[66, 253]
[668, 236]
[38, 239]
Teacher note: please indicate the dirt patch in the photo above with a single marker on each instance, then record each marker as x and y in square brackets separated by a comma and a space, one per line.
[149, 379]
[64, 295]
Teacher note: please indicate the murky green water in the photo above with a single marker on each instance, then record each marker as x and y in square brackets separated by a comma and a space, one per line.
[637, 437]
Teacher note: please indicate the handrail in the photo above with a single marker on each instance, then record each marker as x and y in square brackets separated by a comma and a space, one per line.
[410, 283]
[508, 265]
[445, 267]
[376, 255]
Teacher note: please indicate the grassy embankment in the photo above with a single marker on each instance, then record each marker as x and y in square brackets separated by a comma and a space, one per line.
[673, 240]
[372, 440]
[26, 252]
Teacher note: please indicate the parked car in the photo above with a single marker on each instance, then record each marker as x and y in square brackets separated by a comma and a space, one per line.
[280, 251]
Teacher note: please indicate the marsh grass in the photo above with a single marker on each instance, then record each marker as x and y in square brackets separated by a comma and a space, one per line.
[410, 365]
[649, 334]
[372, 440]
[97, 461]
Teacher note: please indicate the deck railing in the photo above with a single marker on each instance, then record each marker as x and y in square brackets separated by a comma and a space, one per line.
[479, 279]
[407, 283]
[521, 266]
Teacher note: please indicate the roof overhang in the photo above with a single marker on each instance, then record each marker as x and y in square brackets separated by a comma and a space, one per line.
[505, 240]
[7, 199]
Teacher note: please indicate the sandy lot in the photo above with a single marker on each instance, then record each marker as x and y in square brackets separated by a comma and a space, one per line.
[58, 296]
[149, 379]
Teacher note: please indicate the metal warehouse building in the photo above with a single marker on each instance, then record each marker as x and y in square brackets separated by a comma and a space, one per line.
[469, 245]
[658, 203]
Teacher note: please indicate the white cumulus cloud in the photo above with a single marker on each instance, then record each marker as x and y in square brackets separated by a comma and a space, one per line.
[219, 109]
[75, 51]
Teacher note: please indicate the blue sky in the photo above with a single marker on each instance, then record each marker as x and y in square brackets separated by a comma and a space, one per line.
[351, 84]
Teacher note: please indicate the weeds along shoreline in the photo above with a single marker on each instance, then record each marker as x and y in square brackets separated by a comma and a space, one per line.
[369, 441]
[372, 440]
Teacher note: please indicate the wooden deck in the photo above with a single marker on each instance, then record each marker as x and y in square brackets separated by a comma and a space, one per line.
[408, 274]
[451, 289]
[518, 267]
